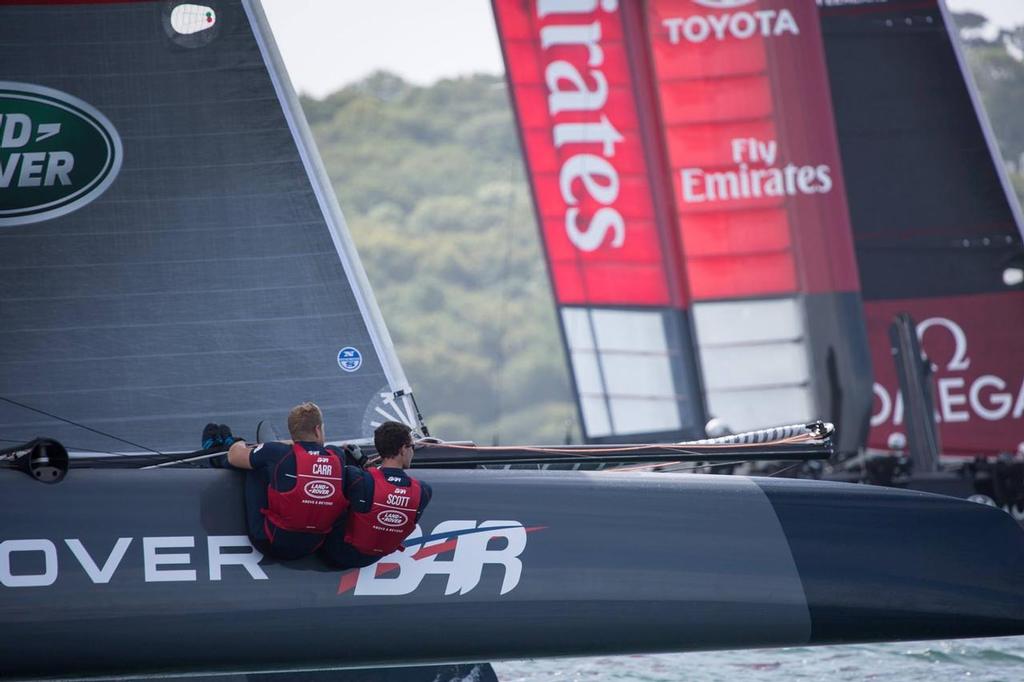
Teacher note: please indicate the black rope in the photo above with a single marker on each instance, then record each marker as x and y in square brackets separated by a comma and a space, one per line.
[81, 426]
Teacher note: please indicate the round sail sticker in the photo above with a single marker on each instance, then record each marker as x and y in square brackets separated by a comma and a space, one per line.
[349, 359]
[57, 153]
[192, 25]
[188, 18]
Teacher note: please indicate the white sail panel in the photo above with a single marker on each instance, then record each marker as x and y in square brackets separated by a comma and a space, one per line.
[755, 362]
[623, 372]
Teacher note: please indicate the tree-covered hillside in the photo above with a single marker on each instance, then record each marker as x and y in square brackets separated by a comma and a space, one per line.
[432, 185]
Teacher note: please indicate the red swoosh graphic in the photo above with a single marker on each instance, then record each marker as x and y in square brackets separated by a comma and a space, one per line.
[351, 576]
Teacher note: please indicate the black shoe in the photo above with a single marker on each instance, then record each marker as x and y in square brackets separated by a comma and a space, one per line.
[225, 436]
[211, 436]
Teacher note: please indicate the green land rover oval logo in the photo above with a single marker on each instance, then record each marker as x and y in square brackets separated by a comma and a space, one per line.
[57, 153]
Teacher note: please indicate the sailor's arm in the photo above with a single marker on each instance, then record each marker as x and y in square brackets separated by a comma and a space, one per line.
[238, 455]
[426, 494]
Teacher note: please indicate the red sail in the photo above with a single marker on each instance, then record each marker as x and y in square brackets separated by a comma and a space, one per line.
[747, 171]
[761, 211]
[571, 66]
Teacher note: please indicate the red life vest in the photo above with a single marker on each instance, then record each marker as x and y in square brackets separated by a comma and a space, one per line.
[316, 501]
[391, 518]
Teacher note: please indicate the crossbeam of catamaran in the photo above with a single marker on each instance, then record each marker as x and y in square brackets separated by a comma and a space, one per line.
[796, 442]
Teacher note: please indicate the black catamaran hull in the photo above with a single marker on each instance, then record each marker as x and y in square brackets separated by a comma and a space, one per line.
[129, 572]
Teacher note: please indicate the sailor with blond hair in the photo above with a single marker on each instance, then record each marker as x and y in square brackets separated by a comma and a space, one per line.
[295, 493]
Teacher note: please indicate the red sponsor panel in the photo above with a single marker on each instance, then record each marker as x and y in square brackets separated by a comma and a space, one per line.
[631, 191]
[571, 79]
[710, 59]
[728, 99]
[516, 22]
[749, 133]
[545, 158]
[522, 20]
[823, 237]
[707, 191]
[530, 66]
[645, 247]
[741, 275]
[590, 277]
[618, 107]
[720, 233]
[721, 145]
[978, 385]
[606, 284]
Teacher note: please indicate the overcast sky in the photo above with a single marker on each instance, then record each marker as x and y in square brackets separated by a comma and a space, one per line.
[327, 44]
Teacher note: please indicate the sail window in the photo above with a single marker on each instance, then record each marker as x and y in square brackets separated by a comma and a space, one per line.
[623, 374]
[754, 362]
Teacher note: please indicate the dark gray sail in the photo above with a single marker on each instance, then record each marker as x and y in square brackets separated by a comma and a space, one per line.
[172, 251]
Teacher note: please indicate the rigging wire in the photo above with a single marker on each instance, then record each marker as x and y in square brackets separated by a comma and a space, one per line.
[695, 448]
[503, 308]
[784, 469]
[81, 426]
[69, 447]
[184, 460]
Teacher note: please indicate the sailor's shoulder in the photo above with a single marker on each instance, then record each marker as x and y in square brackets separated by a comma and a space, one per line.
[395, 476]
[269, 452]
[426, 491]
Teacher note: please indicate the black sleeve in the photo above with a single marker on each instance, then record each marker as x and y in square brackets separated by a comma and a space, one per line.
[358, 489]
[266, 455]
[426, 493]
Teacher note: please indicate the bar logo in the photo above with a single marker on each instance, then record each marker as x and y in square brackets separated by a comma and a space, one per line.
[57, 153]
[458, 549]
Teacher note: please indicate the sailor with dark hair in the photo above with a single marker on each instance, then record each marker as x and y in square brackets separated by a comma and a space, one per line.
[295, 493]
[384, 507]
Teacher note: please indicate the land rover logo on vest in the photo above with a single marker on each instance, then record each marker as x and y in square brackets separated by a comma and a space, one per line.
[391, 518]
[319, 489]
[57, 153]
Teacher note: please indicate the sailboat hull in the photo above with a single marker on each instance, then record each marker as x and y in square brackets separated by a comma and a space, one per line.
[128, 572]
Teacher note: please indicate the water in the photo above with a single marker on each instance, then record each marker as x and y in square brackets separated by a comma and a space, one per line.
[986, 660]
